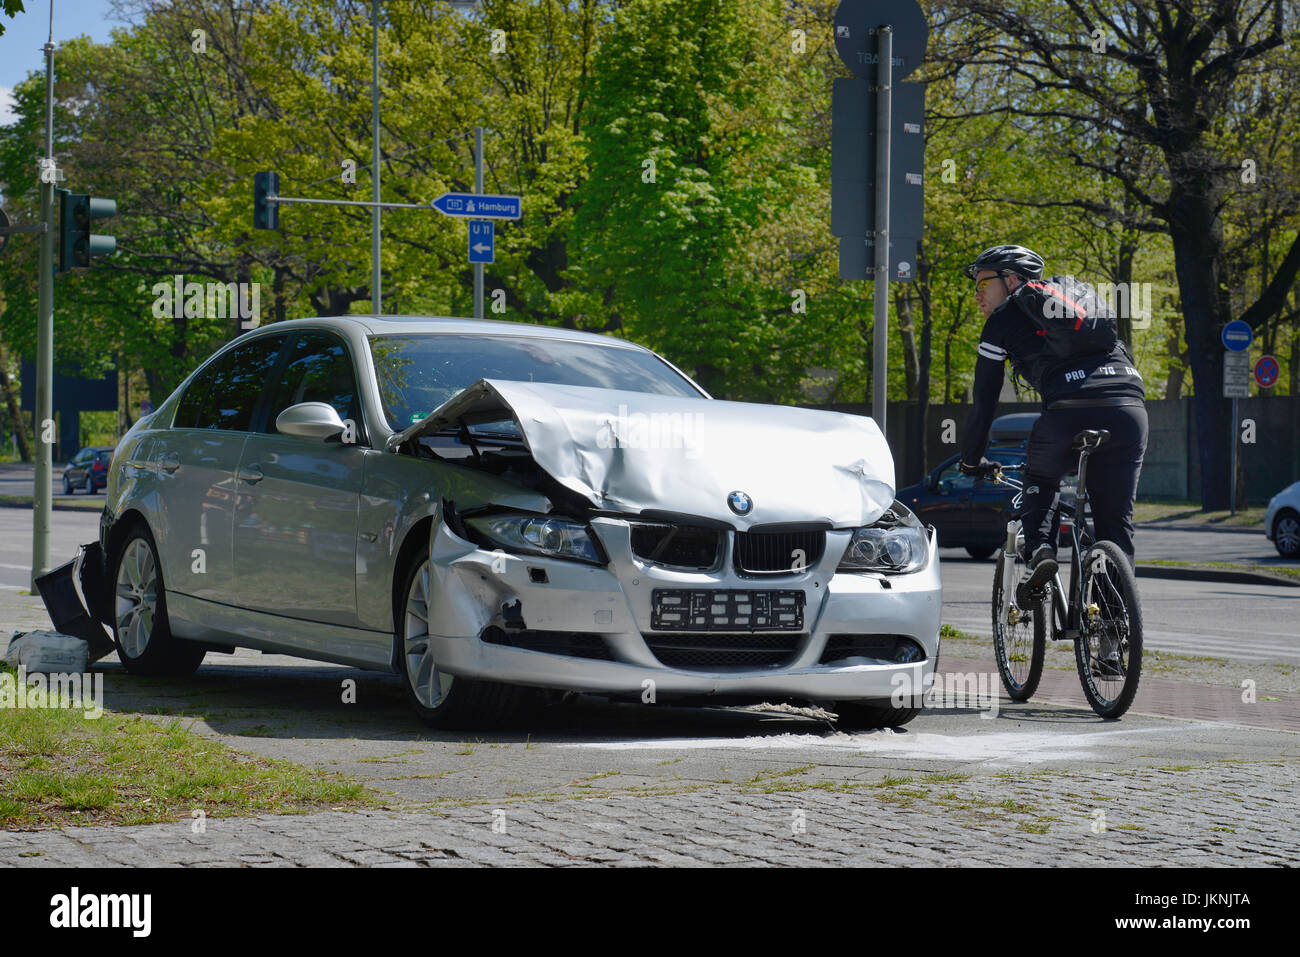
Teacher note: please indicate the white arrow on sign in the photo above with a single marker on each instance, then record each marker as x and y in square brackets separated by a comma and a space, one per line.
[480, 248]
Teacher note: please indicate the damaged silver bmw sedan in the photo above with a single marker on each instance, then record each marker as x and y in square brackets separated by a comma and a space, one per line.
[489, 508]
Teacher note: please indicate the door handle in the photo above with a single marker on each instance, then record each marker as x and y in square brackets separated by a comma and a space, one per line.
[170, 462]
[252, 474]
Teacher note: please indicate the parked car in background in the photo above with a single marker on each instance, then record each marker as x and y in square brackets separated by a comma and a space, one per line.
[88, 470]
[1282, 521]
[488, 507]
[972, 513]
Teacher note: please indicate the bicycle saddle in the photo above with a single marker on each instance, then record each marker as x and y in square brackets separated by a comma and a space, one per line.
[1089, 439]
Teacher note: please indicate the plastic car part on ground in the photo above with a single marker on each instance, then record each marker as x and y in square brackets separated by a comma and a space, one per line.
[74, 594]
[47, 652]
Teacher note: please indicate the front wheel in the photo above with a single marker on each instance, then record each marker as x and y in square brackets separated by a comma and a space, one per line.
[441, 699]
[867, 717]
[1019, 634]
[1109, 651]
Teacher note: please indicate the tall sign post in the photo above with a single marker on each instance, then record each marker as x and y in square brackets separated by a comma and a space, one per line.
[880, 325]
[876, 166]
[42, 502]
[1237, 337]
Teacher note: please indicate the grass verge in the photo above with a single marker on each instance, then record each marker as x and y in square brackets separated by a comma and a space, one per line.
[59, 768]
[1175, 511]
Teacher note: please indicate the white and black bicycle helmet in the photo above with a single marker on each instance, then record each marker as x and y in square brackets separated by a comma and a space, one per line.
[1013, 259]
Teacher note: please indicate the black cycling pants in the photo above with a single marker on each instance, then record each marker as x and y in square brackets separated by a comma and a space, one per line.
[1112, 471]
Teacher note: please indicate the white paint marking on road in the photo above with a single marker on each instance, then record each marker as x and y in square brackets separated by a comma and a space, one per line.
[1017, 747]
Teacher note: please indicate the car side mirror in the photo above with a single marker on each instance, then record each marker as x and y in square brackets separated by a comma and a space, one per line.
[310, 420]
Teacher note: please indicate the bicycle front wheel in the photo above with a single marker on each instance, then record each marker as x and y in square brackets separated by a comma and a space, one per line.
[1109, 650]
[1019, 634]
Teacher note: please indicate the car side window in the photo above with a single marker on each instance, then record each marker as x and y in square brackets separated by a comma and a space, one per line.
[319, 370]
[195, 397]
[238, 384]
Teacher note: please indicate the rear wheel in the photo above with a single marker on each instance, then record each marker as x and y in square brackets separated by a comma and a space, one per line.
[1019, 634]
[141, 634]
[90, 484]
[67, 486]
[980, 554]
[440, 699]
[1286, 533]
[1109, 652]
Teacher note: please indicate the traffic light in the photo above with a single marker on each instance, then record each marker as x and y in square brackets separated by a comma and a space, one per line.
[76, 244]
[266, 214]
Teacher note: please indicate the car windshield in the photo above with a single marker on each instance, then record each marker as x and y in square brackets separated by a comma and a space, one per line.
[418, 373]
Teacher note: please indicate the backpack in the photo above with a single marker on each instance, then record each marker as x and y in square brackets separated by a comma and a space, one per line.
[1070, 316]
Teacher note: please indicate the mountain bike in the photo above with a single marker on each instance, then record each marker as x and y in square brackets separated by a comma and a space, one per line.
[1102, 614]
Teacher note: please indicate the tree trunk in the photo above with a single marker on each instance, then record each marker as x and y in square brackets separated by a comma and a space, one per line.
[1198, 242]
[11, 403]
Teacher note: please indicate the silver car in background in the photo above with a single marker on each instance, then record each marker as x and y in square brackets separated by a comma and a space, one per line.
[488, 507]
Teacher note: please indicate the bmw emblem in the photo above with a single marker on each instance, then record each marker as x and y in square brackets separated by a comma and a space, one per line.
[740, 503]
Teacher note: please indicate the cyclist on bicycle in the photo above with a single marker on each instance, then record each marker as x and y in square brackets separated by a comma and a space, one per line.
[1086, 391]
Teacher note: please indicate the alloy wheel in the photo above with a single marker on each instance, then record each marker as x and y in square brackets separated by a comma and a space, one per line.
[136, 597]
[430, 685]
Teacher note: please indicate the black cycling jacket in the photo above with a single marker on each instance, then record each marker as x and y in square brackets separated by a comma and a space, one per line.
[1010, 334]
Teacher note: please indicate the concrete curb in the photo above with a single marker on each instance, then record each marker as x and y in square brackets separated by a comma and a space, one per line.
[18, 501]
[1226, 576]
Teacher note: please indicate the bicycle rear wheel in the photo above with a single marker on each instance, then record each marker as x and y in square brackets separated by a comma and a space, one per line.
[1109, 650]
[1019, 634]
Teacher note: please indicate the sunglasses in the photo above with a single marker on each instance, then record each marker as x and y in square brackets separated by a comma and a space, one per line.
[981, 283]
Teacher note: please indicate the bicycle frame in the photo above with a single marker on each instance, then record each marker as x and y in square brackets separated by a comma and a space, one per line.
[1066, 614]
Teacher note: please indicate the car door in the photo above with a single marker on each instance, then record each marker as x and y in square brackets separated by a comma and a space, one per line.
[296, 521]
[195, 462]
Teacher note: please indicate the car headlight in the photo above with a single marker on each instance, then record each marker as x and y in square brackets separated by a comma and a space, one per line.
[897, 543]
[537, 535]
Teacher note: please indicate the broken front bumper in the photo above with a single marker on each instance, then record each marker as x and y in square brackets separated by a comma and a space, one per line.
[576, 627]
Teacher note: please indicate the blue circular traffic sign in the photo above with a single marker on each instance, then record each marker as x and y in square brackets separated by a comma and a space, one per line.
[1267, 370]
[1237, 336]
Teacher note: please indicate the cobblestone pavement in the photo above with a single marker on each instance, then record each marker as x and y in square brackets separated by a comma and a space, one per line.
[1221, 815]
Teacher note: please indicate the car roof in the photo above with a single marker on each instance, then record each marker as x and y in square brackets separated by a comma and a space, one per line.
[449, 325]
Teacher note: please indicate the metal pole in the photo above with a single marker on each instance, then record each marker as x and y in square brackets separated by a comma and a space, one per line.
[478, 188]
[376, 289]
[880, 332]
[41, 499]
[1232, 480]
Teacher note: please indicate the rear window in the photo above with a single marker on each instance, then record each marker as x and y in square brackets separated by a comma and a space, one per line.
[418, 373]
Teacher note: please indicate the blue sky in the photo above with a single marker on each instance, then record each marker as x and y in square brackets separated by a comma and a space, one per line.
[24, 37]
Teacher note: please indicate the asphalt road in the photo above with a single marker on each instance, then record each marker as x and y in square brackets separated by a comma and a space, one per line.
[1245, 622]
[17, 480]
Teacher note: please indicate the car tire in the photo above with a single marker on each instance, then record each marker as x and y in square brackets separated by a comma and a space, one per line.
[90, 484]
[439, 699]
[867, 717]
[1286, 533]
[67, 486]
[980, 554]
[141, 634]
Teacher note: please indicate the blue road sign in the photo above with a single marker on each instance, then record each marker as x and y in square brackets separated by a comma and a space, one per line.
[1237, 336]
[482, 240]
[479, 206]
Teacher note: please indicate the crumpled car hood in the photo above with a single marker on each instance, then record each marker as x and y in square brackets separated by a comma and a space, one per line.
[635, 452]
